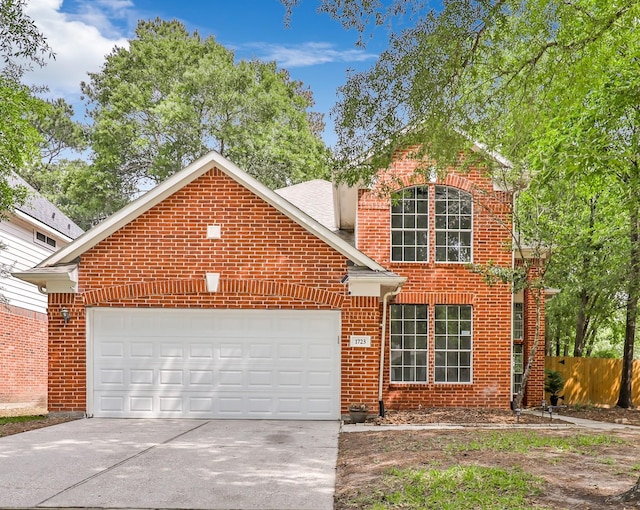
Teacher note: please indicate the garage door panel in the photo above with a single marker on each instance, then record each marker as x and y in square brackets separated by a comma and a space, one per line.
[215, 363]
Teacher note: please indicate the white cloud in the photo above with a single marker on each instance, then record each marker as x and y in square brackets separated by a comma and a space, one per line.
[309, 54]
[80, 41]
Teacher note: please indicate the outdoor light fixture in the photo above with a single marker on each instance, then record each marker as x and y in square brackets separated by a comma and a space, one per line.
[65, 315]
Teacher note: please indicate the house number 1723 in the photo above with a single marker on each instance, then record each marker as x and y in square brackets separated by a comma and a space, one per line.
[360, 341]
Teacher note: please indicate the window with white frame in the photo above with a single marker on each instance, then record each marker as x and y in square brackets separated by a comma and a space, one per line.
[518, 321]
[452, 344]
[408, 325]
[410, 225]
[518, 367]
[453, 224]
[518, 349]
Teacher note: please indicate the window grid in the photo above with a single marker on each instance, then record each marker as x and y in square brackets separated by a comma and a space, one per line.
[409, 343]
[453, 342]
[45, 239]
[453, 225]
[518, 367]
[518, 321]
[410, 226]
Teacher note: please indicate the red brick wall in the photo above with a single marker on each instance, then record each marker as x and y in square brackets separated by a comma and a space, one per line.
[435, 283]
[23, 356]
[265, 260]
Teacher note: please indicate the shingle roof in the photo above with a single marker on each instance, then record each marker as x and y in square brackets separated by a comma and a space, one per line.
[314, 198]
[39, 208]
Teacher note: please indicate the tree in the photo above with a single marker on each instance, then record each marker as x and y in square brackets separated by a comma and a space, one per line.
[489, 71]
[21, 45]
[173, 96]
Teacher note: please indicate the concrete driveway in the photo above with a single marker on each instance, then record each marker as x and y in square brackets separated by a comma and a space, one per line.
[212, 464]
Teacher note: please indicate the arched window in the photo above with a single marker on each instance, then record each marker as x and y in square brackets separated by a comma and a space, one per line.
[410, 225]
[453, 224]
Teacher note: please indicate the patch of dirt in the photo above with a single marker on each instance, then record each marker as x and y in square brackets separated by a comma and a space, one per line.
[42, 419]
[468, 417]
[583, 479]
[610, 414]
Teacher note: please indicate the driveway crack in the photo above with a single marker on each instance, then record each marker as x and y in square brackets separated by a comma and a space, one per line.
[122, 462]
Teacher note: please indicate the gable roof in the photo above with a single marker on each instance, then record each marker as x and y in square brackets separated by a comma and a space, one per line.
[72, 251]
[39, 208]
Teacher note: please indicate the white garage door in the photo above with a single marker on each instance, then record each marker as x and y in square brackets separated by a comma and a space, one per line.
[176, 363]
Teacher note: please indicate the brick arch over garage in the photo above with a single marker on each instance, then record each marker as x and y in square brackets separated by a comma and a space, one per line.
[227, 286]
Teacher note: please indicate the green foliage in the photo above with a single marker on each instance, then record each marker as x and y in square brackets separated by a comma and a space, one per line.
[21, 44]
[172, 96]
[459, 487]
[553, 382]
[18, 419]
[524, 441]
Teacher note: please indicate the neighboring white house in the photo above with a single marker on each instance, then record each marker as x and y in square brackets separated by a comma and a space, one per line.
[27, 236]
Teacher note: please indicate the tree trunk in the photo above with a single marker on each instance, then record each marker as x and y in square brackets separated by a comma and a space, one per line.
[537, 296]
[630, 496]
[581, 325]
[625, 396]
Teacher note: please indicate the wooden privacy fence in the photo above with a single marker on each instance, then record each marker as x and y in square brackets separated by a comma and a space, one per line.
[593, 380]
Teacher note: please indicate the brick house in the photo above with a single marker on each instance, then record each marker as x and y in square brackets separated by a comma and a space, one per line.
[28, 235]
[213, 296]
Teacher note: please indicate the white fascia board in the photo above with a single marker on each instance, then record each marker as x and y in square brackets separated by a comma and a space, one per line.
[176, 182]
[38, 225]
[51, 280]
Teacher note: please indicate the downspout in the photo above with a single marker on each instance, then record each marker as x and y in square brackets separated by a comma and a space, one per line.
[385, 300]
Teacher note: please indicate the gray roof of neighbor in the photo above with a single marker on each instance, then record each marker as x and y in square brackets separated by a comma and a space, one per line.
[42, 210]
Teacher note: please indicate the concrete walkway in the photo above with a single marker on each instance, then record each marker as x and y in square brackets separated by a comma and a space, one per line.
[171, 464]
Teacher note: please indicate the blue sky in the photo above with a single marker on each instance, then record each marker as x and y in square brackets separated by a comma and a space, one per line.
[314, 49]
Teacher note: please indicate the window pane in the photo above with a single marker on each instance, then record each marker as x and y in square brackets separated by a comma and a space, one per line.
[403, 355]
[396, 254]
[409, 221]
[441, 328]
[409, 255]
[422, 209]
[441, 254]
[439, 374]
[451, 350]
[421, 328]
[421, 374]
[465, 222]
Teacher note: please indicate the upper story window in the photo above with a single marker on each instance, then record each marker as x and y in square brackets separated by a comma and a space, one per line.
[410, 225]
[453, 225]
[45, 239]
